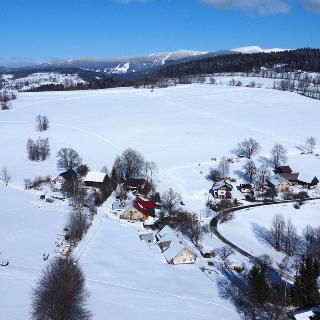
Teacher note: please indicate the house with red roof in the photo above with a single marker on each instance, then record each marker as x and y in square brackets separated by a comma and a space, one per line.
[140, 210]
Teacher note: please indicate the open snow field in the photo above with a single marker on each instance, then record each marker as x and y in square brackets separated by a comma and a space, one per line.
[181, 129]
[28, 229]
[130, 279]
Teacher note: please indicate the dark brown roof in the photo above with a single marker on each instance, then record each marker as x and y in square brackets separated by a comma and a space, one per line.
[134, 183]
[284, 169]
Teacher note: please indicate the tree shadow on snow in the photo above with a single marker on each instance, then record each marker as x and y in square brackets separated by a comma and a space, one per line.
[262, 234]
[265, 161]
[240, 174]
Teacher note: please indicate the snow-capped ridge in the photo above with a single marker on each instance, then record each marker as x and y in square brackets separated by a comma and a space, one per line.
[257, 49]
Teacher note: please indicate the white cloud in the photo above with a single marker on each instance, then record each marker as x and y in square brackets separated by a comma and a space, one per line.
[311, 5]
[263, 7]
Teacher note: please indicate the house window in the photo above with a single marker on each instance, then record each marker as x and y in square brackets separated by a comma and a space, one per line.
[184, 260]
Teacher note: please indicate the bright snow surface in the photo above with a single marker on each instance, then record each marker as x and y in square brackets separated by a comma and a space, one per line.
[181, 129]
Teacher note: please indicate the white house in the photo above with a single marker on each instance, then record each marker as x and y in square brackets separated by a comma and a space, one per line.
[173, 249]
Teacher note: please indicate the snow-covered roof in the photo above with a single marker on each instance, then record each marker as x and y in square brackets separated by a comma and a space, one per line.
[175, 248]
[221, 184]
[94, 176]
[167, 234]
[150, 221]
[306, 177]
[176, 245]
[304, 315]
[277, 179]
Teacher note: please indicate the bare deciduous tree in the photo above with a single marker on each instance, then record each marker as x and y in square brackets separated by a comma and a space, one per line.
[67, 159]
[151, 170]
[78, 224]
[290, 238]
[225, 252]
[170, 200]
[278, 155]
[248, 148]
[224, 167]
[38, 150]
[42, 123]
[6, 177]
[132, 163]
[214, 175]
[310, 144]
[60, 293]
[262, 175]
[277, 231]
[250, 170]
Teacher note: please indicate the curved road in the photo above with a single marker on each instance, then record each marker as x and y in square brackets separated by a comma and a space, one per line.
[214, 228]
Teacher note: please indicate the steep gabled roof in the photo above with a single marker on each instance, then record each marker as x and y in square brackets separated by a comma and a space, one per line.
[68, 175]
[175, 248]
[222, 184]
[93, 176]
[143, 206]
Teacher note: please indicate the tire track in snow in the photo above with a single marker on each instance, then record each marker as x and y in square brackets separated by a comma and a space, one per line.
[158, 292]
[100, 137]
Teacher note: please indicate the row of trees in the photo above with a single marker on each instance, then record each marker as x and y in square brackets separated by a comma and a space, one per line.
[131, 164]
[38, 150]
[283, 235]
[5, 97]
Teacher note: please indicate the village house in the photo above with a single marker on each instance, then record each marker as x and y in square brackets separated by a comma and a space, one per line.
[221, 190]
[308, 181]
[69, 175]
[140, 211]
[287, 173]
[278, 183]
[134, 185]
[173, 249]
[99, 180]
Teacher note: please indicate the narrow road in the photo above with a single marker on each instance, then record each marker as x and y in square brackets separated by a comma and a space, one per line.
[214, 228]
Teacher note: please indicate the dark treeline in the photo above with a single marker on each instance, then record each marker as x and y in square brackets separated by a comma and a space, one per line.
[300, 59]
[105, 83]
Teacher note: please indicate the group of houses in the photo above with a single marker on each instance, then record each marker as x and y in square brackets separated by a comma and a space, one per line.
[285, 177]
[99, 180]
[173, 249]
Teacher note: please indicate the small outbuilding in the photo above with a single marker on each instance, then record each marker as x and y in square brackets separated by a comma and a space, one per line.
[246, 188]
[146, 237]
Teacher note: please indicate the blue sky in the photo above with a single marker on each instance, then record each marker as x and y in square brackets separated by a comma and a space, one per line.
[46, 29]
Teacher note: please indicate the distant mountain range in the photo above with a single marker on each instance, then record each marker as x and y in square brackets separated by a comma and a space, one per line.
[133, 65]
[257, 49]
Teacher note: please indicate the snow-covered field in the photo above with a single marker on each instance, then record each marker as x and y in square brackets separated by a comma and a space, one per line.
[181, 129]
[130, 279]
[28, 229]
[249, 227]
